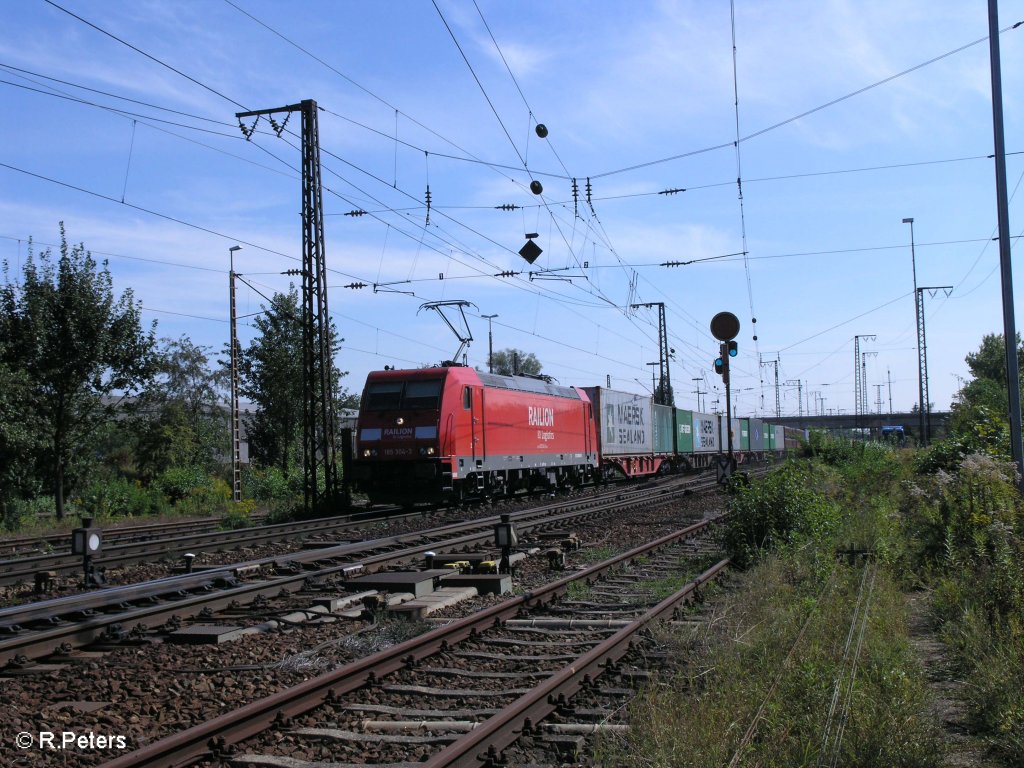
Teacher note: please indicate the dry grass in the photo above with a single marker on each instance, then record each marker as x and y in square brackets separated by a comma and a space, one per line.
[758, 677]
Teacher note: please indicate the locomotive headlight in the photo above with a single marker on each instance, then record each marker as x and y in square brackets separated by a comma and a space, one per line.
[399, 421]
[426, 450]
[368, 452]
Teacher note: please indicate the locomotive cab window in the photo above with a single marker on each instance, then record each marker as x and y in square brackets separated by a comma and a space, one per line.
[383, 395]
[422, 395]
[467, 398]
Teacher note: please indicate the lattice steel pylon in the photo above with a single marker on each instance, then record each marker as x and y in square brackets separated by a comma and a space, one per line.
[318, 417]
[775, 363]
[663, 394]
[922, 358]
[860, 385]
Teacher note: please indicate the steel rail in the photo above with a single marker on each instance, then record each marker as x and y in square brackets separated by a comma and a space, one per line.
[20, 569]
[502, 729]
[392, 550]
[212, 738]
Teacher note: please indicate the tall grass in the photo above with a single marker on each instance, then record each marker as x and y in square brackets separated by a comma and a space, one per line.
[758, 676]
[808, 660]
[966, 526]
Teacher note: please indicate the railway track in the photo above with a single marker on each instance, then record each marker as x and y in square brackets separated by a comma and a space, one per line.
[150, 544]
[527, 678]
[47, 543]
[114, 614]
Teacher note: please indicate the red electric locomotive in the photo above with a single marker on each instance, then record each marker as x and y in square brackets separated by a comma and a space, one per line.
[446, 434]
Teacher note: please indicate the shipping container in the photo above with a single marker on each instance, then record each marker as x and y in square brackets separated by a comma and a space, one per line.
[684, 431]
[756, 436]
[737, 443]
[780, 438]
[794, 437]
[663, 431]
[623, 422]
[705, 433]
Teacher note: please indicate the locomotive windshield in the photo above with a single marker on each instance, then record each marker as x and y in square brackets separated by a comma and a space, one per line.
[383, 396]
[422, 394]
[398, 395]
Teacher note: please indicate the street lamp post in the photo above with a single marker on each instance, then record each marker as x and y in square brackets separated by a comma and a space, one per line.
[236, 437]
[490, 343]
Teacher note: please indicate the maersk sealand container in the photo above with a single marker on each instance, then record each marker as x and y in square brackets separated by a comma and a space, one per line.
[705, 433]
[623, 422]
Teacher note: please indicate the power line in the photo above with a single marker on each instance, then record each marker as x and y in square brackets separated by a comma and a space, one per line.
[483, 90]
[148, 56]
[794, 118]
[115, 96]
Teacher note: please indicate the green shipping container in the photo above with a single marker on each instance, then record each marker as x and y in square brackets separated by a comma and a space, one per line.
[684, 431]
[769, 437]
[663, 431]
[744, 434]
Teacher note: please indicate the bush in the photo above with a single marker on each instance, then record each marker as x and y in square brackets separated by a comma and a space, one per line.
[178, 482]
[945, 455]
[238, 516]
[966, 524]
[267, 484]
[783, 507]
[19, 513]
[833, 450]
[119, 497]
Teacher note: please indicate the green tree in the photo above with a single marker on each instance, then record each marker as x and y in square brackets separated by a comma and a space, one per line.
[19, 438]
[989, 362]
[510, 362]
[181, 419]
[270, 375]
[980, 410]
[80, 348]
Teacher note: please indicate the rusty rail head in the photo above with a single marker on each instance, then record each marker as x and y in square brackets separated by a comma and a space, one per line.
[501, 730]
[209, 738]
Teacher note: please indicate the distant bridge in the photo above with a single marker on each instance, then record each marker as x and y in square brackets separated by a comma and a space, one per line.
[874, 422]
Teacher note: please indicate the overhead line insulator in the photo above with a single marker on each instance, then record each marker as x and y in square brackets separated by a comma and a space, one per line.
[507, 207]
[359, 212]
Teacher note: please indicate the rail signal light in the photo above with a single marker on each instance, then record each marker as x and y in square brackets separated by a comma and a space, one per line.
[719, 366]
[733, 349]
[88, 542]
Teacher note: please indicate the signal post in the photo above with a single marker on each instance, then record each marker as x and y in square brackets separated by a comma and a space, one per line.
[724, 327]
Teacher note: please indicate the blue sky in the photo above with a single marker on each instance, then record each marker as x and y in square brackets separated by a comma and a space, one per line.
[638, 97]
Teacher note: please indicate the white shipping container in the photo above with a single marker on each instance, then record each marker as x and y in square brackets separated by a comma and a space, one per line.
[724, 437]
[780, 438]
[705, 433]
[623, 422]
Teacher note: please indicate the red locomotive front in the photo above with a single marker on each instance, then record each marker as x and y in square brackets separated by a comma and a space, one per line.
[447, 434]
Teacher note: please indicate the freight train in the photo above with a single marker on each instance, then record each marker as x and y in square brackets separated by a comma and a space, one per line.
[449, 434]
